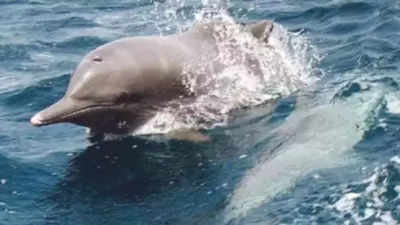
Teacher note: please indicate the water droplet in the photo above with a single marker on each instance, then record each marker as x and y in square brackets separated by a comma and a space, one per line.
[243, 156]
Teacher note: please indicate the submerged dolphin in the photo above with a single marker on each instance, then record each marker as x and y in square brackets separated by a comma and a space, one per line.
[120, 85]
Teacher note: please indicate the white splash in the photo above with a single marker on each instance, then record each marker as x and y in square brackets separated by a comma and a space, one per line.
[393, 103]
[254, 73]
[372, 200]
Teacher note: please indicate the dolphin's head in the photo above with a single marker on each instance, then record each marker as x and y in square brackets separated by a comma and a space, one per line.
[107, 91]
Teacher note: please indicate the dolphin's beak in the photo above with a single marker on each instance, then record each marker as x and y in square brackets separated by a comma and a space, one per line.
[59, 112]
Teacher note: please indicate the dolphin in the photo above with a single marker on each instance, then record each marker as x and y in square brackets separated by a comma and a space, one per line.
[119, 86]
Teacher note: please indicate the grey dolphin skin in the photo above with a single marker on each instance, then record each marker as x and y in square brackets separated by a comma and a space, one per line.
[119, 86]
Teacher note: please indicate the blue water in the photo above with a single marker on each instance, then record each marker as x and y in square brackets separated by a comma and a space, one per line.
[55, 175]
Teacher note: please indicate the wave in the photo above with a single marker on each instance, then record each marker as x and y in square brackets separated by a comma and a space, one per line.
[16, 52]
[37, 96]
[372, 200]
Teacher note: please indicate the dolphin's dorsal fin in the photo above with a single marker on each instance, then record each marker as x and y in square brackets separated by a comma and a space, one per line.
[260, 30]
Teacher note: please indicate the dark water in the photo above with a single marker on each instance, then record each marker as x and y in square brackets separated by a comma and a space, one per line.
[54, 175]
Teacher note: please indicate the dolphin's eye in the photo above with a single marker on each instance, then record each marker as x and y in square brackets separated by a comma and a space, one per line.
[97, 59]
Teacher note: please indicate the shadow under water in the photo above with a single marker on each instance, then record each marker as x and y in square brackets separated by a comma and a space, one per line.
[157, 181]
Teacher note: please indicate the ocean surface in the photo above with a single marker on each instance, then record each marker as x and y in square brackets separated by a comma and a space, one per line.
[327, 154]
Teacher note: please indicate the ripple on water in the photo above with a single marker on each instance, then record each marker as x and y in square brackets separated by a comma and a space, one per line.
[15, 52]
[33, 95]
[391, 26]
[65, 23]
